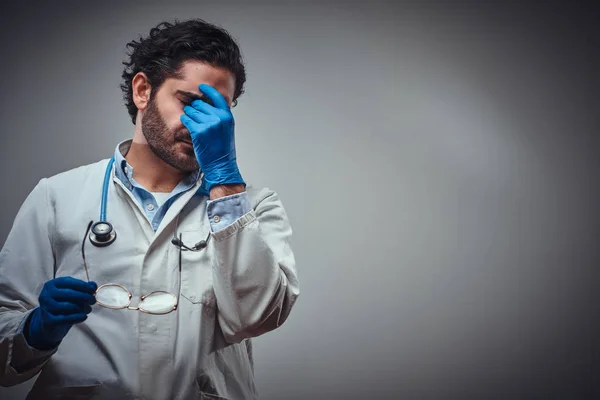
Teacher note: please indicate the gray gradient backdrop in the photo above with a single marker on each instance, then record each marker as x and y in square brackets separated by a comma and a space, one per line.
[439, 165]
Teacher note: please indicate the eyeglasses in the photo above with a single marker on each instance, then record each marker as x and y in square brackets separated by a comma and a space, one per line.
[117, 297]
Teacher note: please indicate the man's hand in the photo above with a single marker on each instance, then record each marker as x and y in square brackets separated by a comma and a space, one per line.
[212, 130]
[64, 301]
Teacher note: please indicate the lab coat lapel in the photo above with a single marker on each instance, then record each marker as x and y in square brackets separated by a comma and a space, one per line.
[137, 211]
[126, 195]
[176, 208]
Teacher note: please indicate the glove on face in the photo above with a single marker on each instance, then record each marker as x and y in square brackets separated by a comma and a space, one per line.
[212, 130]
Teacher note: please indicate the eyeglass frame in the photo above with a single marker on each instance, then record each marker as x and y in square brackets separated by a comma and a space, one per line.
[127, 290]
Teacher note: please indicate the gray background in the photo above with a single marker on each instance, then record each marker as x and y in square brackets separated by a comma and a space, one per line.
[439, 165]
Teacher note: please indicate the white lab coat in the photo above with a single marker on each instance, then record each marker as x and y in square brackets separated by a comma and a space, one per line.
[243, 284]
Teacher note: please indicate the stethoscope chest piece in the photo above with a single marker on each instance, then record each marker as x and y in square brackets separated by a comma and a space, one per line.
[102, 234]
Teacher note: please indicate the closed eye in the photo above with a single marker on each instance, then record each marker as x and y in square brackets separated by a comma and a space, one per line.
[187, 101]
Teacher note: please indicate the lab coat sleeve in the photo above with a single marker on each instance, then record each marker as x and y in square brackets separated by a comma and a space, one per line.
[254, 275]
[26, 263]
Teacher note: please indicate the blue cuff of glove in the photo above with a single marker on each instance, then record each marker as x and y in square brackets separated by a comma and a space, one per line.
[37, 341]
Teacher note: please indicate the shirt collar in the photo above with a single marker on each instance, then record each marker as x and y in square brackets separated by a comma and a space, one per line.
[124, 171]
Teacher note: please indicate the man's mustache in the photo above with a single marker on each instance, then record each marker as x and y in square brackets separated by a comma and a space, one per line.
[184, 135]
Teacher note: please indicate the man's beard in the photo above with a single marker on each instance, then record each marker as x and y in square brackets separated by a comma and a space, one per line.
[158, 136]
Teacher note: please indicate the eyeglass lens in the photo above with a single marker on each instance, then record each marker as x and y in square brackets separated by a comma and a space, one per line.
[116, 296]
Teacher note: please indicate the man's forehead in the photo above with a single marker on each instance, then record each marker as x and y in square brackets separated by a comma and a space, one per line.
[192, 74]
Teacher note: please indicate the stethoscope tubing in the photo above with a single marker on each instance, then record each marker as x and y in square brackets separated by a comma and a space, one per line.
[105, 189]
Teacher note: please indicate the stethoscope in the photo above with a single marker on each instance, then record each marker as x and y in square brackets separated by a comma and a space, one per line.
[103, 234]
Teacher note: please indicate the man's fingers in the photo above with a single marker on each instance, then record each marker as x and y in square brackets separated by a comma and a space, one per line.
[213, 94]
[203, 106]
[68, 282]
[65, 307]
[192, 125]
[73, 296]
[56, 320]
[198, 116]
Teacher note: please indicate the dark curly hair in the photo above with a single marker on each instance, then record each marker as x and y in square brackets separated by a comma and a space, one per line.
[169, 45]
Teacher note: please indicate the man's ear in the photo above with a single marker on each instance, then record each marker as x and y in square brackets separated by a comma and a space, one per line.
[141, 90]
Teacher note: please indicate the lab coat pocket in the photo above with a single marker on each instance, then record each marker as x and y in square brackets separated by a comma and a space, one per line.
[196, 269]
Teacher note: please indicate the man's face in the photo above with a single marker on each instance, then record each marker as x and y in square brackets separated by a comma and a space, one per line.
[166, 135]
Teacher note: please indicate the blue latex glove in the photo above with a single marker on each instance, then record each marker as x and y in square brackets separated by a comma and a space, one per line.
[212, 130]
[64, 302]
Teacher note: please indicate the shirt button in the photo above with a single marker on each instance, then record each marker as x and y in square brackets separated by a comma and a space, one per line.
[126, 170]
[152, 328]
[150, 206]
[216, 218]
[129, 185]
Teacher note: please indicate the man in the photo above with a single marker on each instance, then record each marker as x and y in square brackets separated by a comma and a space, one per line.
[157, 299]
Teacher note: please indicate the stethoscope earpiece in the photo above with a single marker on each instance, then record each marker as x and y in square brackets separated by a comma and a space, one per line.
[102, 234]
[177, 242]
[197, 247]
